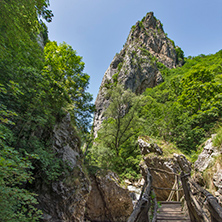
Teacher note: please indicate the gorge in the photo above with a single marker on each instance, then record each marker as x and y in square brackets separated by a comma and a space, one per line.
[156, 110]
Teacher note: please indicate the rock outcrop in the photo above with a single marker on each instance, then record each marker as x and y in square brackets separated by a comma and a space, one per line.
[206, 163]
[162, 167]
[64, 200]
[137, 64]
[207, 155]
[108, 201]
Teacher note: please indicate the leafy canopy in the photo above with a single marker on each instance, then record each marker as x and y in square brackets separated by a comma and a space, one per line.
[68, 83]
[187, 105]
[116, 142]
[38, 85]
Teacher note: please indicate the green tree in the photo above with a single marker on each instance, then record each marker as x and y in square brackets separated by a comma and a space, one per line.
[121, 121]
[19, 27]
[68, 83]
[188, 104]
[35, 89]
[116, 146]
[16, 203]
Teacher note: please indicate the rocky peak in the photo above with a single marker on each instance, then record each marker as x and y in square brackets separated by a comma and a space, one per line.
[136, 66]
[149, 31]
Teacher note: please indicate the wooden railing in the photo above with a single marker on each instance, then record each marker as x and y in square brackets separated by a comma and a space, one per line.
[213, 212]
[146, 207]
[176, 186]
[205, 209]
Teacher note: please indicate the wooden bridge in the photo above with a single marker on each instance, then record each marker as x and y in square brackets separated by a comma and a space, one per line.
[198, 206]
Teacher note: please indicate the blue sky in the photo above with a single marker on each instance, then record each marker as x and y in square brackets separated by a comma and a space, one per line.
[98, 29]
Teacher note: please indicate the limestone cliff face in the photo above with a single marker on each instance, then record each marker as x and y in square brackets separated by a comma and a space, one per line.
[136, 66]
[64, 200]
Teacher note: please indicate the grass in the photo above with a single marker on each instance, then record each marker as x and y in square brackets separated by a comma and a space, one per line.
[168, 148]
[217, 141]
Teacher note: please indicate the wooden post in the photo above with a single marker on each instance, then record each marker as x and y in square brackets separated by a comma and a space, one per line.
[214, 208]
[178, 195]
[172, 191]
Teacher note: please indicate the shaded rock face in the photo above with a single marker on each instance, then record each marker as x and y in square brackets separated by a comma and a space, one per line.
[64, 200]
[159, 166]
[108, 201]
[136, 65]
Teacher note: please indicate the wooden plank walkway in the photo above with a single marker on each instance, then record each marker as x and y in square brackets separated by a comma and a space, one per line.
[170, 211]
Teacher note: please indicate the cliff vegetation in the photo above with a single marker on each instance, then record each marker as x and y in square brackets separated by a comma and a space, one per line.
[150, 91]
[40, 81]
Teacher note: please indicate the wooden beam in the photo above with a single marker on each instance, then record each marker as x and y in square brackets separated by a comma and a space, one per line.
[163, 171]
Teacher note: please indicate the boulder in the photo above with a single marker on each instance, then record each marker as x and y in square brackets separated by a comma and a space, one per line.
[108, 201]
[206, 161]
[147, 148]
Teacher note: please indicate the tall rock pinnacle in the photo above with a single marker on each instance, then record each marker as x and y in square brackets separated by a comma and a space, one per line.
[136, 65]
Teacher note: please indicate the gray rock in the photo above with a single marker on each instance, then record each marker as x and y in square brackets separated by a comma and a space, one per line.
[162, 169]
[136, 65]
[206, 156]
[217, 179]
[207, 160]
[108, 201]
[147, 148]
[64, 200]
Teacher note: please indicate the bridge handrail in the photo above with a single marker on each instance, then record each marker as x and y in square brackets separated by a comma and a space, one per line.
[175, 187]
[163, 171]
[196, 212]
[146, 201]
[213, 206]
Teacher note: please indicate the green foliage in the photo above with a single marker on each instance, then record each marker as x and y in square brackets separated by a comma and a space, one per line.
[121, 118]
[19, 27]
[68, 84]
[133, 28]
[37, 88]
[179, 54]
[120, 66]
[16, 203]
[141, 24]
[217, 141]
[187, 105]
[13, 173]
[115, 147]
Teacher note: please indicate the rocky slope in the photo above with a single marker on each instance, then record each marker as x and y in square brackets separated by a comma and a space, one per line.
[137, 64]
[208, 169]
[64, 200]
